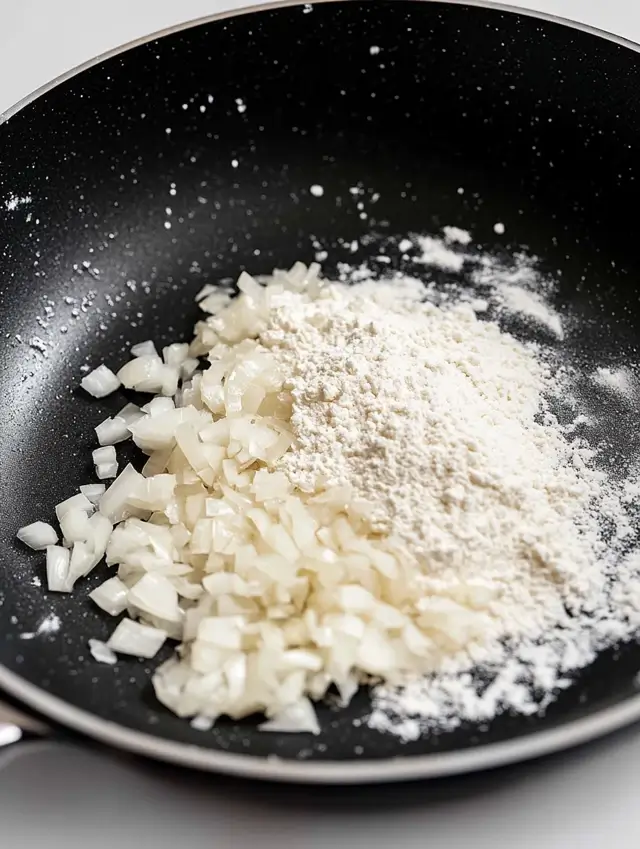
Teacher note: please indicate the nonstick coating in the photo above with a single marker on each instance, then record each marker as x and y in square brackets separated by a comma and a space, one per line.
[537, 121]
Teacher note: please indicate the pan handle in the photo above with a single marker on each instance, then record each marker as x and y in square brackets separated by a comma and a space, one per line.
[16, 726]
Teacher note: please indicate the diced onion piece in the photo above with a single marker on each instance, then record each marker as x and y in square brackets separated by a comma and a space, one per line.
[226, 583]
[301, 659]
[135, 639]
[355, 599]
[202, 723]
[347, 688]
[217, 507]
[114, 504]
[214, 302]
[112, 431]
[104, 455]
[209, 289]
[188, 368]
[130, 413]
[111, 596]
[155, 493]
[299, 718]
[240, 378]
[192, 448]
[376, 655]
[279, 448]
[154, 594]
[225, 632]
[76, 501]
[81, 563]
[102, 653]
[100, 382]
[157, 430]
[176, 354]
[250, 286]
[58, 559]
[144, 349]
[106, 471]
[93, 491]
[217, 433]
[74, 525]
[100, 529]
[157, 463]
[171, 377]
[37, 535]
[146, 373]
[158, 406]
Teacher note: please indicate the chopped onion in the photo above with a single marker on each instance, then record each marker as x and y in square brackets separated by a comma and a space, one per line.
[250, 287]
[158, 406]
[78, 501]
[104, 455]
[81, 563]
[106, 471]
[100, 529]
[170, 381]
[111, 596]
[139, 640]
[93, 492]
[74, 525]
[294, 719]
[155, 493]
[130, 414]
[111, 431]
[157, 463]
[58, 559]
[144, 349]
[114, 504]
[208, 289]
[225, 632]
[146, 373]
[102, 653]
[188, 368]
[214, 300]
[176, 354]
[202, 723]
[154, 594]
[37, 535]
[100, 382]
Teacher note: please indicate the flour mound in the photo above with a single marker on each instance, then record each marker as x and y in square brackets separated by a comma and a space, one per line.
[441, 424]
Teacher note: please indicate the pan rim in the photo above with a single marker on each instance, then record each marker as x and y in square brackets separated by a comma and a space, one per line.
[493, 5]
[274, 768]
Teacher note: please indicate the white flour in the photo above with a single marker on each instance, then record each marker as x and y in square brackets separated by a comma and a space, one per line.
[510, 286]
[49, 625]
[14, 202]
[620, 381]
[442, 423]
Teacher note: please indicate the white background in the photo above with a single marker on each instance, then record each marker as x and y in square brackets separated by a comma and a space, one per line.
[53, 795]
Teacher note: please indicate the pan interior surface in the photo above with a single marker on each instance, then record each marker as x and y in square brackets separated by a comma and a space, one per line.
[191, 157]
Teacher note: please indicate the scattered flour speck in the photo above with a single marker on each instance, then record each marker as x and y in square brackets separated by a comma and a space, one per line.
[14, 202]
[619, 380]
[49, 625]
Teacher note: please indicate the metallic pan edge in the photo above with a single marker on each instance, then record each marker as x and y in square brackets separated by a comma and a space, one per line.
[336, 772]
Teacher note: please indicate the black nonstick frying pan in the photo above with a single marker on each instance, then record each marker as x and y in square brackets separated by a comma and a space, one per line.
[537, 119]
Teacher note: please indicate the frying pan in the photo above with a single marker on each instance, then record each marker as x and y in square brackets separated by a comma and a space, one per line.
[536, 119]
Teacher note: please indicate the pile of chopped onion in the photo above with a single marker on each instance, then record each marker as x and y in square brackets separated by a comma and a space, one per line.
[275, 595]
